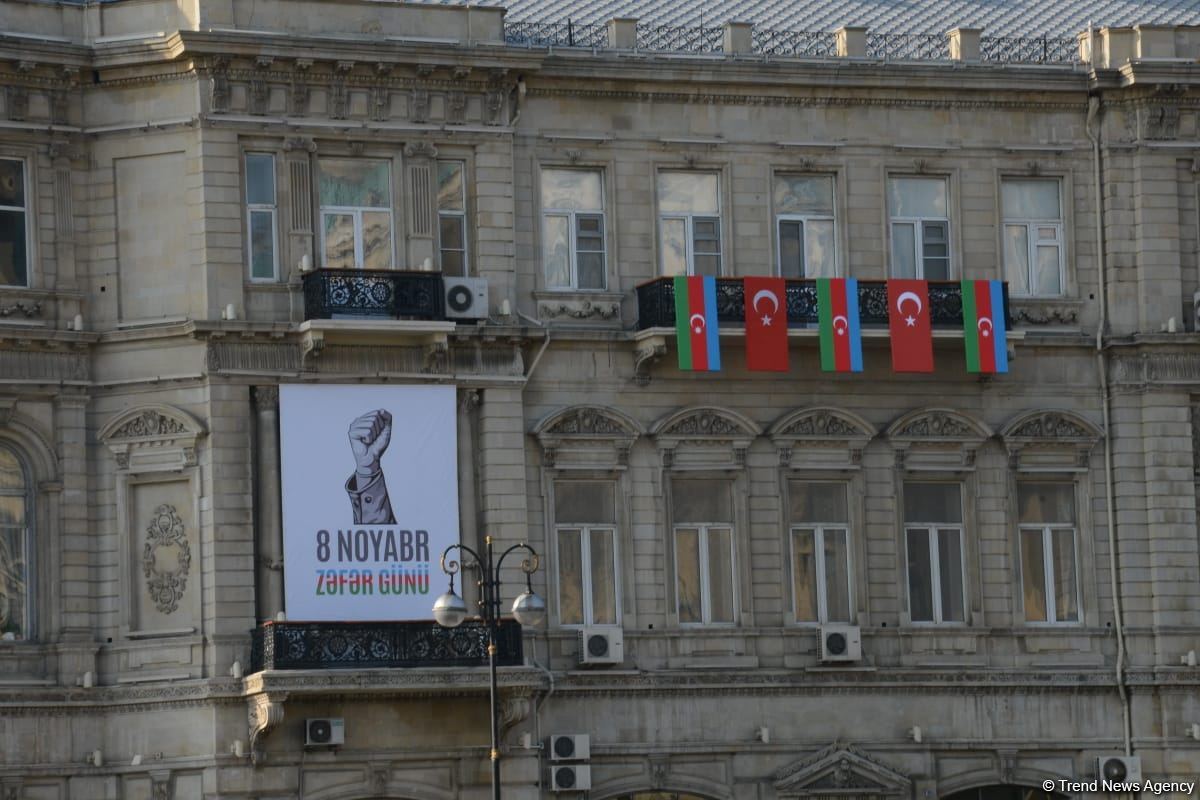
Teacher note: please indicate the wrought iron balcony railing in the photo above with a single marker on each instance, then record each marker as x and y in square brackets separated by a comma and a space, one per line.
[333, 293]
[367, 645]
[656, 303]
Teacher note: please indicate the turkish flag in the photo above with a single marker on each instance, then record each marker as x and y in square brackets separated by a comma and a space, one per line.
[909, 322]
[766, 324]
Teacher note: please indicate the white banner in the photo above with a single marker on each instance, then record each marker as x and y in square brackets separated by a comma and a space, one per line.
[370, 499]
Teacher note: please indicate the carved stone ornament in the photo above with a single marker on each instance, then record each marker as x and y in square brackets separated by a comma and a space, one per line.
[381, 102]
[1050, 425]
[937, 438]
[149, 423]
[821, 422]
[587, 435]
[219, 102]
[493, 104]
[17, 103]
[265, 713]
[821, 437]
[704, 423]
[936, 424]
[27, 310]
[166, 578]
[420, 149]
[153, 438]
[160, 786]
[844, 771]
[579, 309]
[456, 107]
[1044, 314]
[418, 110]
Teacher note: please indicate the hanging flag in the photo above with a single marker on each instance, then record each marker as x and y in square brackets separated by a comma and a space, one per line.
[984, 331]
[696, 323]
[841, 336]
[766, 324]
[909, 323]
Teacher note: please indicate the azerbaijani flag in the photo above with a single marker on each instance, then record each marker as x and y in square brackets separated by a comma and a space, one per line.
[984, 331]
[841, 335]
[696, 323]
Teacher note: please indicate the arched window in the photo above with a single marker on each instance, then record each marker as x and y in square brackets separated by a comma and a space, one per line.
[16, 572]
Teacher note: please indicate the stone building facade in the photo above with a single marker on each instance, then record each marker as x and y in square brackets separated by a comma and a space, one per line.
[178, 179]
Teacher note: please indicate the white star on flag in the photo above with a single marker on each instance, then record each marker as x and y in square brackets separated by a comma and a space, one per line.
[766, 320]
[912, 322]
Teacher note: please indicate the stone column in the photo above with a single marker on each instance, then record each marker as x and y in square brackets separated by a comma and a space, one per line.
[268, 514]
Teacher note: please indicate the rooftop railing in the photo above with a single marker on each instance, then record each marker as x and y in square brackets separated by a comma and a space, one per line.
[963, 44]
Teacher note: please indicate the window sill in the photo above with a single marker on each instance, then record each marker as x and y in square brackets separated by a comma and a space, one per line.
[578, 306]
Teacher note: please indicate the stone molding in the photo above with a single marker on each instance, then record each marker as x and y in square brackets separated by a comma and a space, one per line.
[843, 770]
[1049, 440]
[1144, 369]
[152, 438]
[587, 436]
[265, 712]
[1033, 312]
[166, 586]
[821, 437]
[704, 436]
[937, 438]
[572, 306]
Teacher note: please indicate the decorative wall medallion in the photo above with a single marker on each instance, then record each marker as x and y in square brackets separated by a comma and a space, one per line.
[166, 559]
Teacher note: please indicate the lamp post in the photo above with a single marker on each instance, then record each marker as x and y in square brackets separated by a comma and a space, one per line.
[528, 609]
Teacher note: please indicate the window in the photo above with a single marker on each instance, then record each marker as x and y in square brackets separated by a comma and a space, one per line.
[14, 225]
[689, 223]
[15, 505]
[933, 539]
[1033, 236]
[820, 555]
[452, 217]
[920, 228]
[356, 213]
[1048, 564]
[260, 216]
[586, 532]
[805, 226]
[573, 229]
[704, 580]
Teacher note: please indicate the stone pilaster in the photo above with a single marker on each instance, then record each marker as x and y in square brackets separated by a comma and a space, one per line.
[268, 523]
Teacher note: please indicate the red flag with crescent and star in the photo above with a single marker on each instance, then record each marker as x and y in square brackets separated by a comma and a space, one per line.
[909, 323]
[766, 324]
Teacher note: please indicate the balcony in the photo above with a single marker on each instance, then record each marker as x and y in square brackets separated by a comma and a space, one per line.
[656, 303]
[373, 645]
[382, 294]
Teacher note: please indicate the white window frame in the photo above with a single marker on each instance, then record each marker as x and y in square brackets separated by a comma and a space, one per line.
[461, 216]
[356, 212]
[572, 233]
[1048, 575]
[817, 530]
[702, 530]
[803, 219]
[1033, 241]
[260, 208]
[27, 211]
[585, 531]
[930, 530]
[689, 228]
[919, 232]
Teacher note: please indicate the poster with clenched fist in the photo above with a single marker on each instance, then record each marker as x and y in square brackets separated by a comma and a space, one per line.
[370, 499]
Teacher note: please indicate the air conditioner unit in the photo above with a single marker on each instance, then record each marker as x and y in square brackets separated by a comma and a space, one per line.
[570, 747]
[841, 643]
[570, 778]
[601, 646]
[324, 732]
[466, 298]
[1119, 769]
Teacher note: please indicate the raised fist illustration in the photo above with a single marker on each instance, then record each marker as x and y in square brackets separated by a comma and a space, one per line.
[369, 438]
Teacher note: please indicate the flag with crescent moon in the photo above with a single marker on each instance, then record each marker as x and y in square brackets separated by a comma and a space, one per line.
[696, 323]
[910, 326]
[766, 324]
[984, 329]
[841, 335]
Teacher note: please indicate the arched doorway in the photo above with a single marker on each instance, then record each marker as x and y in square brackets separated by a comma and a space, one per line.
[1005, 792]
[659, 796]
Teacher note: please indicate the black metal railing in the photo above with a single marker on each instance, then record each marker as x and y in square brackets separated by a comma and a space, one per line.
[366, 645]
[656, 303]
[556, 34]
[332, 293]
[1029, 50]
[908, 46]
[681, 38]
[811, 44]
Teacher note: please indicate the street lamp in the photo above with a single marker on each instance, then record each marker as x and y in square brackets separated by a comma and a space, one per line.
[528, 609]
